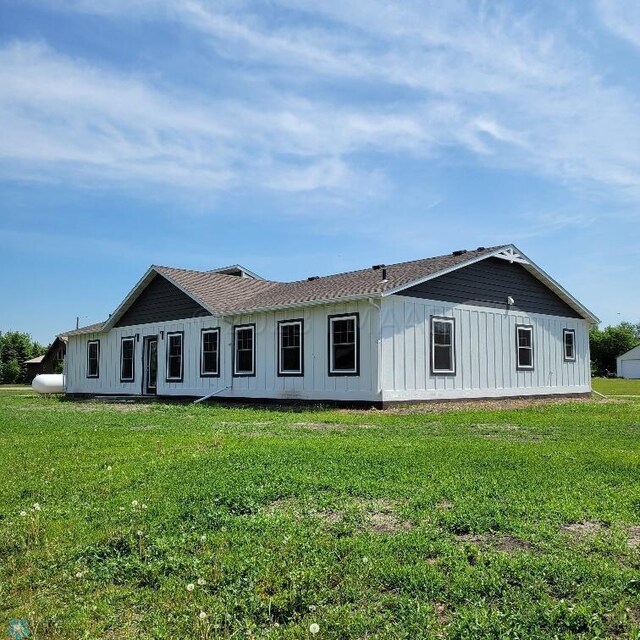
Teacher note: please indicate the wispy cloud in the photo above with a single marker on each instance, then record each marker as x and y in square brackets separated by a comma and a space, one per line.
[474, 77]
[622, 17]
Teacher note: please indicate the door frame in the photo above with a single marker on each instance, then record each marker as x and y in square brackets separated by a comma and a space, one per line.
[147, 340]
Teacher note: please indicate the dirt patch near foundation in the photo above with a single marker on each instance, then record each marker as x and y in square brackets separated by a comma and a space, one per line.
[444, 406]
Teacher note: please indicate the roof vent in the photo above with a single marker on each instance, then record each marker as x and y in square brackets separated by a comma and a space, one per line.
[310, 278]
[377, 266]
[481, 249]
[460, 252]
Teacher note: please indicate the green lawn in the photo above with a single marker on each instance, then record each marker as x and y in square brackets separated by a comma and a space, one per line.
[617, 386]
[471, 523]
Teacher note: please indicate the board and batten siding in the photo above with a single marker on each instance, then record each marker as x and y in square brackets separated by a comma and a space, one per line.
[315, 384]
[485, 352]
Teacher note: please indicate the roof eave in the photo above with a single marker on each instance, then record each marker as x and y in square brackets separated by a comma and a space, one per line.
[297, 305]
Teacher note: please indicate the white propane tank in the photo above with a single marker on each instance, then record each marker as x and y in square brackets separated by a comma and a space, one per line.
[48, 383]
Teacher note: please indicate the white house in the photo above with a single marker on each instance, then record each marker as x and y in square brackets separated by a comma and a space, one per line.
[471, 324]
[628, 364]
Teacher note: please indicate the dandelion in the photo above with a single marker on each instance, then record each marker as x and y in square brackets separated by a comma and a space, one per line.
[314, 628]
[191, 586]
[134, 503]
[79, 574]
[312, 607]
[202, 615]
[202, 582]
[23, 514]
[139, 533]
[109, 468]
[36, 506]
[203, 537]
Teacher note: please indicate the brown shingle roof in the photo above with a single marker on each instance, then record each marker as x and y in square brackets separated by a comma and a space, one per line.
[226, 294]
[90, 328]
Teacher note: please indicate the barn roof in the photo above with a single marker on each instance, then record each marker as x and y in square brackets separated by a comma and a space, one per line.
[223, 294]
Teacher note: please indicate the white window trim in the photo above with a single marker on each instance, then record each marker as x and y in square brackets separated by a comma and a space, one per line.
[564, 345]
[215, 373]
[452, 347]
[97, 373]
[281, 370]
[236, 329]
[133, 357]
[524, 367]
[170, 335]
[332, 369]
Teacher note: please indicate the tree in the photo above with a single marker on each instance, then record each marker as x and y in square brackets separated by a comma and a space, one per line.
[15, 348]
[609, 343]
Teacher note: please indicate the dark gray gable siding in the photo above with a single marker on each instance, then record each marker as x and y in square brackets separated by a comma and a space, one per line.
[487, 283]
[161, 301]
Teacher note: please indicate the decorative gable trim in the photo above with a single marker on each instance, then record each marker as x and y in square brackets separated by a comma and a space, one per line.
[512, 255]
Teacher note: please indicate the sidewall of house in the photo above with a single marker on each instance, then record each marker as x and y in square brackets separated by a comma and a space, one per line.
[485, 353]
[315, 384]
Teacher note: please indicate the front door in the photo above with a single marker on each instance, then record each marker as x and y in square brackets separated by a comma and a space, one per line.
[150, 382]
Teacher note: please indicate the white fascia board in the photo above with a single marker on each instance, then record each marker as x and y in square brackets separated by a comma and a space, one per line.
[558, 289]
[140, 286]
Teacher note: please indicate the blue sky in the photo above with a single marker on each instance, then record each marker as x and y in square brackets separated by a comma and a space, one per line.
[301, 138]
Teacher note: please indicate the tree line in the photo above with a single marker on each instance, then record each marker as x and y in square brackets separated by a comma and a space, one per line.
[15, 348]
[609, 343]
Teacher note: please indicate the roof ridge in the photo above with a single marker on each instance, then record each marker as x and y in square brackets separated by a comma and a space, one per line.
[400, 264]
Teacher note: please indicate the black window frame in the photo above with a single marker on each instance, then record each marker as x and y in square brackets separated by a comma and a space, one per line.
[244, 374]
[450, 321]
[210, 374]
[133, 358]
[290, 373]
[90, 343]
[529, 328]
[168, 336]
[355, 316]
[565, 333]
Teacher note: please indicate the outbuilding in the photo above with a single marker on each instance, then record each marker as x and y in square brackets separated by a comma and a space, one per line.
[482, 323]
[628, 364]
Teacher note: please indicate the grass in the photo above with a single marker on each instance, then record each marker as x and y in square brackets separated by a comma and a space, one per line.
[617, 386]
[479, 522]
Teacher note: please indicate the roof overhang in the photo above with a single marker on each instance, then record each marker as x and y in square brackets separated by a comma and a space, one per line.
[512, 254]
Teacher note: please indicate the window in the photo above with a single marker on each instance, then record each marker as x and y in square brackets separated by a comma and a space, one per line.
[93, 359]
[442, 345]
[127, 354]
[174, 357]
[524, 344]
[210, 352]
[569, 341]
[290, 348]
[343, 345]
[244, 351]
